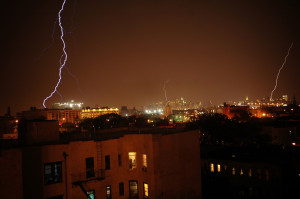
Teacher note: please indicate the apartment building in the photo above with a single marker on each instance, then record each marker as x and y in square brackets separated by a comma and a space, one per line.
[130, 165]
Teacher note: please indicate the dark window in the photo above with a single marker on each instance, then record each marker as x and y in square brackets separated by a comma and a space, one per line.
[121, 189]
[108, 192]
[133, 189]
[89, 163]
[52, 173]
[119, 160]
[57, 197]
[90, 194]
[107, 162]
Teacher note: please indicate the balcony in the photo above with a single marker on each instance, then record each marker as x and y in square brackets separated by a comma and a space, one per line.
[88, 176]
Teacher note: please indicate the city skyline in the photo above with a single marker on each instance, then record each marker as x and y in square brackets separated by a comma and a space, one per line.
[123, 52]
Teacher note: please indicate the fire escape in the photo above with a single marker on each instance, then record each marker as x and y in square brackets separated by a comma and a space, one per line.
[82, 179]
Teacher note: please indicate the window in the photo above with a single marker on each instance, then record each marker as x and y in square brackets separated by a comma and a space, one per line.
[107, 162]
[89, 163]
[259, 174]
[132, 160]
[146, 191]
[119, 160]
[133, 189]
[121, 189]
[90, 194]
[57, 197]
[267, 175]
[108, 192]
[144, 160]
[52, 173]
[212, 167]
[219, 168]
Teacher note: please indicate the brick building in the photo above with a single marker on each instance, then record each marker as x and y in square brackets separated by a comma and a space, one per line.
[127, 164]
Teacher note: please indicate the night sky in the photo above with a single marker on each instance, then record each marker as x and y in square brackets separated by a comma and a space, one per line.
[122, 52]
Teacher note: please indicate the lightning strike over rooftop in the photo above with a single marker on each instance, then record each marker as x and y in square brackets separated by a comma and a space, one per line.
[64, 53]
[285, 58]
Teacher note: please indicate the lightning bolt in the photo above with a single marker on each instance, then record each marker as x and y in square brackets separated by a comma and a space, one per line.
[165, 89]
[71, 74]
[285, 58]
[64, 54]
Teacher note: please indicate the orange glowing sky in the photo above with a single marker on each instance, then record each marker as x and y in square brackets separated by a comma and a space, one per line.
[123, 51]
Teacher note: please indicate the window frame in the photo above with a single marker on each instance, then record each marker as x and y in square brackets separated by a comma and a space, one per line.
[132, 164]
[90, 172]
[107, 162]
[137, 190]
[121, 187]
[144, 195]
[145, 162]
[110, 193]
[52, 175]
[57, 197]
[119, 160]
[93, 192]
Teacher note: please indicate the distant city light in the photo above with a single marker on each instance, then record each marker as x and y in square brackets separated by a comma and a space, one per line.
[155, 111]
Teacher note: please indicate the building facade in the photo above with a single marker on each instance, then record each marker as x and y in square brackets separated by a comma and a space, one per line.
[151, 165]
[96, 112]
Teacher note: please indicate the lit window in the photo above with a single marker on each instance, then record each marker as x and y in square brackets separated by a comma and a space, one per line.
[212, 167]
[146, 191]
[233, 171]
[144, 160]
[108, 192]
[52, 173]
[219, 168]
[132, 160]
[133, 189]
[90, 194]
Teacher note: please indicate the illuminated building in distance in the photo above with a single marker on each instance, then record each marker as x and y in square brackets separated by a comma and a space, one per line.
[71, 104]
[64, 115]
[96, 112]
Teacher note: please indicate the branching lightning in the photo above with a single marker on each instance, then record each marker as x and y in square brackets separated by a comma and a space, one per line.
[52, 40]
[59, 95]
[165, 89]
[64, 54]
[285, 58]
